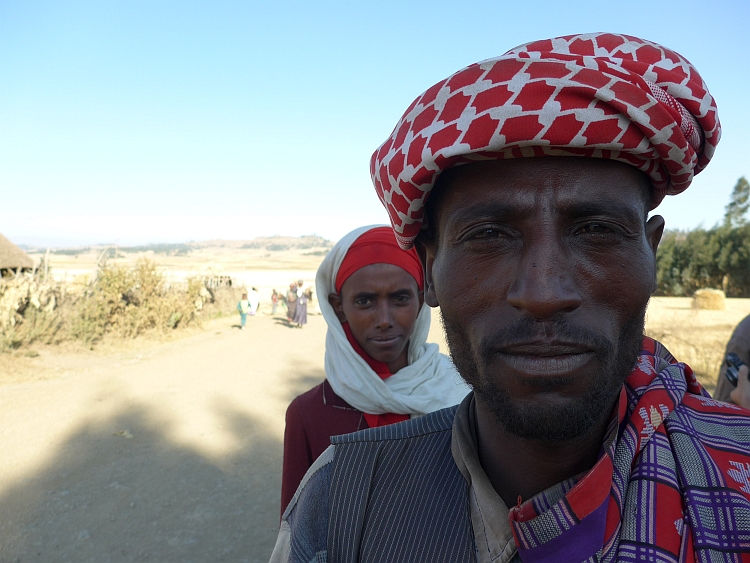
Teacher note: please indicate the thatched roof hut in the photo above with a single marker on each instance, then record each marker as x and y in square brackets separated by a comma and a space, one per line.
[12, 258]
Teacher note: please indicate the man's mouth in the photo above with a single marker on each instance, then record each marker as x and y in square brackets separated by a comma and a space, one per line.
[545, 358]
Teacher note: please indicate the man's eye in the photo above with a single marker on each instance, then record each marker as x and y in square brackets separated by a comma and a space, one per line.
[485, 232]
[595, 229]
[362, 302]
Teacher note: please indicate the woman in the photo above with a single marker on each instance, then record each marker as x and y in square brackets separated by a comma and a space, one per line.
[300, 312]
[291, 302]
[379, 369]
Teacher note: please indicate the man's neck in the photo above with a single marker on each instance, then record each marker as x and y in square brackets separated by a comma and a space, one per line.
[518, 467]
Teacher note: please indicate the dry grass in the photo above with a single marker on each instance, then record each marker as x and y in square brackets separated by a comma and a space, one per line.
[696, 337]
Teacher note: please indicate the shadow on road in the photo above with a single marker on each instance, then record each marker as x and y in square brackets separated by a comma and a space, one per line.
[122, 490]
[304, 379]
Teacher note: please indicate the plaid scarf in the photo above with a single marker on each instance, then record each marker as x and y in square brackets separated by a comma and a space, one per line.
[672, 482]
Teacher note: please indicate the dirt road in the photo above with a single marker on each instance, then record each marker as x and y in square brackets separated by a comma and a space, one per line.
[167, 454]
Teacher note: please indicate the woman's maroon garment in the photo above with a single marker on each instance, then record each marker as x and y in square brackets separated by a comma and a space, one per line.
[311, 420]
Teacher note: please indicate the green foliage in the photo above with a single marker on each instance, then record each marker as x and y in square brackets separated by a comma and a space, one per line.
[717, 258]
[736, 209]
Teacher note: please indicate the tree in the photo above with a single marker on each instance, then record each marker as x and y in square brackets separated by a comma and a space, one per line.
[737, 207]
[733, 259]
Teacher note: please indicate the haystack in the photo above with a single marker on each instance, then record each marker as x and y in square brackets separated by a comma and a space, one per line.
[12, 258]
[709, 299]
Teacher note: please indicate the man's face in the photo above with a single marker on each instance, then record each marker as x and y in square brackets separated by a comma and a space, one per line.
[543, 268]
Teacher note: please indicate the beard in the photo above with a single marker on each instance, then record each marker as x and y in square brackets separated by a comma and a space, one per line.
[548, 422]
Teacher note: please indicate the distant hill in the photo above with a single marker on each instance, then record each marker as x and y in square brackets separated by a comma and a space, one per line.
[316, 244]
[274, 243]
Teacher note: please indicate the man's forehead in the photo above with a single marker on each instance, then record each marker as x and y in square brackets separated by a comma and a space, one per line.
[559, 181]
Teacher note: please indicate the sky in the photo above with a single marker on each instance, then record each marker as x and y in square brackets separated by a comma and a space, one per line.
[141, 122]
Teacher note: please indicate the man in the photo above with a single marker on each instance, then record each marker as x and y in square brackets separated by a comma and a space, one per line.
[525, 182]
[739, 343]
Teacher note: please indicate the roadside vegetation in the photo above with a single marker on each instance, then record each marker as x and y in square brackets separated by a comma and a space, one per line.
[120, 301]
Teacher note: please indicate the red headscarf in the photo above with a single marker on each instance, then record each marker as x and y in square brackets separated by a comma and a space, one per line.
[377, 246]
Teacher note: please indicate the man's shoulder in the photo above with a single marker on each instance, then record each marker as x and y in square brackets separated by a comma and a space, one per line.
[383, 484]
[743, 327]
[304, 524]
[739, 342]
[434, 422]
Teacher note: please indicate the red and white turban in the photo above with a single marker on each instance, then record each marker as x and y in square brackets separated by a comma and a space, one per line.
[596, 95]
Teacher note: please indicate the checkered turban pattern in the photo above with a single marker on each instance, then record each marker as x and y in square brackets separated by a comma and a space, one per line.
[596, 95]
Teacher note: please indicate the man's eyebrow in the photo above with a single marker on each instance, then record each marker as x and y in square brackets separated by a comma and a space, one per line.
[578, 210]
[575, 210]
[492, 210]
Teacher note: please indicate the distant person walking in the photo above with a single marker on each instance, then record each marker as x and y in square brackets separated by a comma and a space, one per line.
[291, 302]
[254, 300]
[243, 307]
[300, 312]
[274, 302]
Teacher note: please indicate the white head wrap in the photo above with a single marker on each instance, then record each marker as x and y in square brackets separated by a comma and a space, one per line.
[428, 383]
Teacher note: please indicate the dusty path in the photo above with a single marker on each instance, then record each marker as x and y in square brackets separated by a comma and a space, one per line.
[169, 454]
[172, 454]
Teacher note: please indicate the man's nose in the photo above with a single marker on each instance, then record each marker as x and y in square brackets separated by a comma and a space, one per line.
[384, 318]
[545, 282]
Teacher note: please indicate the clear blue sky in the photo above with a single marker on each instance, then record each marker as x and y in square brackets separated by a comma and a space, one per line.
[157, 121]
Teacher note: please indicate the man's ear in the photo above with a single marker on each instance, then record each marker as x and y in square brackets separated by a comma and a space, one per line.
[335, 301]
[426, 249]
[654, 231]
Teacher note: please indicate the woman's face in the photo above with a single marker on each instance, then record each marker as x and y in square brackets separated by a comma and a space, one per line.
[381, 303]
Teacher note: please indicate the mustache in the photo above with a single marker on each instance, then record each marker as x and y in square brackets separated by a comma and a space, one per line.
[528, 330]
